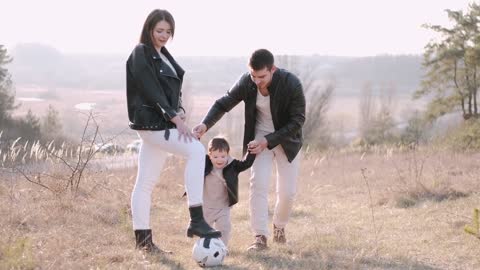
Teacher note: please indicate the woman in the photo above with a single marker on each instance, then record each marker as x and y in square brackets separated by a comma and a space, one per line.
[154, 81]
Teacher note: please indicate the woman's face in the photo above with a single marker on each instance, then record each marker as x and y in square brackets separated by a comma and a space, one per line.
[161, 33]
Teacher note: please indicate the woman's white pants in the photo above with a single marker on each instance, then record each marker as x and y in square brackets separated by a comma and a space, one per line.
[152, 155]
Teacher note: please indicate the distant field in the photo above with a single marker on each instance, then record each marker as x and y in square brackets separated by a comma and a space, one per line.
[111, 111]
[110, 108]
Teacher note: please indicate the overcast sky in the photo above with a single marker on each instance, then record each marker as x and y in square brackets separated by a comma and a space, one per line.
[223, 27]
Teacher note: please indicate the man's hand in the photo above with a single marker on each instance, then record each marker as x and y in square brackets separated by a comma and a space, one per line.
[199, 130]
[257, 146]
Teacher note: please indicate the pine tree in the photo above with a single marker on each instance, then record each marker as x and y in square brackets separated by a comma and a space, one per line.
[452, 66]
[51, 125]
[7, 96]
[28, 127]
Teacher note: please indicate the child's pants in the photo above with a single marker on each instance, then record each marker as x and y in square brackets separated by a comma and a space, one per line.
[220, 220]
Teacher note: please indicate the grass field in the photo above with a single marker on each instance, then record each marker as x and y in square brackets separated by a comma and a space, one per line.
[386, 209]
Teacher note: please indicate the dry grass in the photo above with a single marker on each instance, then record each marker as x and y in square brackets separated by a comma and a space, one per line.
[331, 225]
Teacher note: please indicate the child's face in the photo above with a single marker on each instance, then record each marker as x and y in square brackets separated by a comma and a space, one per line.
[219, 158]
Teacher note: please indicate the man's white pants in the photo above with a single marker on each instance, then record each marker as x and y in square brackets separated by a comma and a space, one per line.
[152, 156]
[287, 174]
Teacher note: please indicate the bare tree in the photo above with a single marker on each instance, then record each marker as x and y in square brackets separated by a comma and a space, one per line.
[56, 169]
[318, 96]
[366, 109]
[376, 122]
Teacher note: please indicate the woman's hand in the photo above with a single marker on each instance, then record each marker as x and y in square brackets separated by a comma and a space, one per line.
[183, 130]
[182, 116]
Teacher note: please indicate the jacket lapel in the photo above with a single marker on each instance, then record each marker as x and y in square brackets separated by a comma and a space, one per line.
[178, 68]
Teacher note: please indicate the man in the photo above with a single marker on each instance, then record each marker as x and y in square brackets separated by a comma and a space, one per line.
[274, 116]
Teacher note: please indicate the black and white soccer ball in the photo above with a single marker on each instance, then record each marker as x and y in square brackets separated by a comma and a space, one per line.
[209, 252]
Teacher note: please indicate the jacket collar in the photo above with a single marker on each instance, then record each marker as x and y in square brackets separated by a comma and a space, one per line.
[177, 67]
[275, 79]
[230, 159]
[155, 55]
[152, 51]
[209, 165]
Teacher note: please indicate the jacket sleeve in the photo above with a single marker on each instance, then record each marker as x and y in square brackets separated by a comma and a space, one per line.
[296, 115]
[246, 163]
[208, 165]
[225, 103]
[148, 84]
[180, 103]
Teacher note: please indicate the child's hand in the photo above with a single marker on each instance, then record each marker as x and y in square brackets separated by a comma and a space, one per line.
[252, 145]
[256, 147]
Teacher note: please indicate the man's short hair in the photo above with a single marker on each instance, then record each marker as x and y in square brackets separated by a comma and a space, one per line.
[260, 59]
[218, 143]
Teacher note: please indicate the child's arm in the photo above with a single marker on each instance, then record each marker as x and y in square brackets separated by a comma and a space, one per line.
[246, 163]
[208, 165]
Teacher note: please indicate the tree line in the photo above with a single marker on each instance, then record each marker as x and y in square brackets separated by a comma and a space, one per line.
[452, 66]
[29, 127]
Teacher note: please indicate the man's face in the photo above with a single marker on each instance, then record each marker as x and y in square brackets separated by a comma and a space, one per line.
[219, 158]
[262, 78]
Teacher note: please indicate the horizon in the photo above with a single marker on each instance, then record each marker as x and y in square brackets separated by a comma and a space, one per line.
[218, 28]
[11, 51]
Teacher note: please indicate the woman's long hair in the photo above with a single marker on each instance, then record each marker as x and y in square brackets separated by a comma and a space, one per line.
[153, 18]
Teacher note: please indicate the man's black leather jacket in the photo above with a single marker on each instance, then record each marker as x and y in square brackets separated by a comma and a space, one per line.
[287, 104]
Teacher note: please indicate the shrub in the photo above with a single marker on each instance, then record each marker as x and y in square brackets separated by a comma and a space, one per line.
[465, 137]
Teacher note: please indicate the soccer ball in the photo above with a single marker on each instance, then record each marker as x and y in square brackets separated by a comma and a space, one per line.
[209, 252]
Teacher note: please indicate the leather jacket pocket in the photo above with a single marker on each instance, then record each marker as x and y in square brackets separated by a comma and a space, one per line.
[146, 115]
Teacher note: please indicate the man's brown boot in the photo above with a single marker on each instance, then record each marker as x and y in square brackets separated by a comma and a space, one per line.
[259, 244]
[279, 235]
